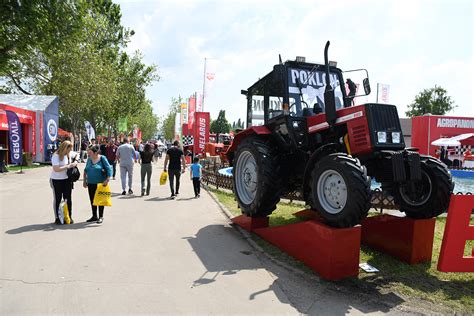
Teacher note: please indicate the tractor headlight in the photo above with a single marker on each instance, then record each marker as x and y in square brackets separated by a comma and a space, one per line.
[382, 137]
[396, 137]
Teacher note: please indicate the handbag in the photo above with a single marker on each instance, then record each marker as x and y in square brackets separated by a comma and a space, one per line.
[63, 213]
[102, 196]
[163, 178]
[104, 171]
[73, 174]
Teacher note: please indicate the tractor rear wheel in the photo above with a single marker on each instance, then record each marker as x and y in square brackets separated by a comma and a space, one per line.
[340, 190]
[428, 197]
[257, 184]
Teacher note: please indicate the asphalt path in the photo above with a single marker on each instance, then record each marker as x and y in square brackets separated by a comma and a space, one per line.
[151, 255]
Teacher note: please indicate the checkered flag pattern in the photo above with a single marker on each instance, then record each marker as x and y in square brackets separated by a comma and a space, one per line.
[460, 150]
[188, 140]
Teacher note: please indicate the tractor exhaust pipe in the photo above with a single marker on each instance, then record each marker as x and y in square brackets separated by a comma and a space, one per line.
[329, 96]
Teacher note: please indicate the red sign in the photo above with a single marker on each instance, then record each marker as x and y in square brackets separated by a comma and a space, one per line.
[201, 131]
[25, 116]
[191, 111]
[33, 137]
[427, 129]
[456, 234]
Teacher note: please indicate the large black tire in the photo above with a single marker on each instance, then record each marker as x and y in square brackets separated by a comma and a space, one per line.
[431, 195]
[340, 190]
[257, 184]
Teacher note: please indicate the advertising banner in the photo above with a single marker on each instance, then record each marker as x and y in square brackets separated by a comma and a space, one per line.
[184, 114]
[426, 129]
[177, 127]
[191, 110]
[201, 131]
[50, 123]
[199, 100]
[14, 138]
[90, 130]
[383, 91]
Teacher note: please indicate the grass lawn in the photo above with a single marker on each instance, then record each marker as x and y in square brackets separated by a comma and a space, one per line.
[424, 281]
[18, 168]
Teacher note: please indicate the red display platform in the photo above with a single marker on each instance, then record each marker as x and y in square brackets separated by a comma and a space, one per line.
[409, 240]
[332, 252]
[250, 223]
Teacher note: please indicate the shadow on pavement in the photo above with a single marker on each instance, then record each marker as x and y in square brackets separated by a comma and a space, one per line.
[156, 199]
[304, 291]
[47, 227]
[128, 197]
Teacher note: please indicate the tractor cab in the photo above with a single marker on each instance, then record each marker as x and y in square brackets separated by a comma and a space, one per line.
[292, 92]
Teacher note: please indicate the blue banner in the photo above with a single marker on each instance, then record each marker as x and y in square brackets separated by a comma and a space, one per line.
[50, 134]
[14, 137]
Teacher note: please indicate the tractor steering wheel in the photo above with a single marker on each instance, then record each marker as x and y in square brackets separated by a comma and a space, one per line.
[294, 103]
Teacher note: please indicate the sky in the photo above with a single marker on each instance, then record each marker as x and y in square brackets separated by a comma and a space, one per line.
[409, 45]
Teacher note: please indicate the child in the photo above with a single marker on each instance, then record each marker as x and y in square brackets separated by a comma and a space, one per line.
[195, 175]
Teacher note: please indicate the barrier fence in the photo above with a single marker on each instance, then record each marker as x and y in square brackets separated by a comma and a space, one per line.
[211, 176]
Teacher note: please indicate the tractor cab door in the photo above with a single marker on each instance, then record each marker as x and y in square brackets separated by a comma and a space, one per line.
[287, 121]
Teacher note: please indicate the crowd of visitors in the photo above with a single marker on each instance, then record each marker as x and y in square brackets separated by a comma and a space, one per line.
[101, 160]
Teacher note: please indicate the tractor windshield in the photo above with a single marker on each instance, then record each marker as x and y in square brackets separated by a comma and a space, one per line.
[306, 91]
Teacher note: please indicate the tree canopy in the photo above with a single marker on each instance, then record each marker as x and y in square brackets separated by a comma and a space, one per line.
[434, 100]
[220, 125]
[75, 50]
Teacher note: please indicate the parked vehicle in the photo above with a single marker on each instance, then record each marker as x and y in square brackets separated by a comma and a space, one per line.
[313, 140]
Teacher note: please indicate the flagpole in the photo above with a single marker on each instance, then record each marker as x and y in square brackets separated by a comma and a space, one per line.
[377, 99]
[204, 85]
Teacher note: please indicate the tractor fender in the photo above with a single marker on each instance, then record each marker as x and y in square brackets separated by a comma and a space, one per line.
[315, 156]
[253, 130]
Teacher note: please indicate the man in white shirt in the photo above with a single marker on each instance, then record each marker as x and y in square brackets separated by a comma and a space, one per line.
[126, 157]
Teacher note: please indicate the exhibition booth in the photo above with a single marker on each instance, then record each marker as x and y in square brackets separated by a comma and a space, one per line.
[38, 116]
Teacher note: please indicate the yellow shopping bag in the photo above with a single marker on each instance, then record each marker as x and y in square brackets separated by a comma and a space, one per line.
[103, 196]
[67, 218]
[163, 178]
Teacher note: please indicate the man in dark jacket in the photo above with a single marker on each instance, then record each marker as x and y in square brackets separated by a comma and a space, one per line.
[175, 157]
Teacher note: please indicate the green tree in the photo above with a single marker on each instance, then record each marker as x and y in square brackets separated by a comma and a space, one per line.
[72, 49]
[220, 125]
[167, 127]
[434, 100]
[146, 121]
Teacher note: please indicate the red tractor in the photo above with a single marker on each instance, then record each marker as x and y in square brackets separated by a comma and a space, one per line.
[305, 135]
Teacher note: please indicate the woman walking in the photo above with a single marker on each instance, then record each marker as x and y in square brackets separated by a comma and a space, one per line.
[98, 170]
[60, 182]
[146, 157]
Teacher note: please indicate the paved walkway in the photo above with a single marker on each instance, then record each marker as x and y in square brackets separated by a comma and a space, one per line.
[151, 255]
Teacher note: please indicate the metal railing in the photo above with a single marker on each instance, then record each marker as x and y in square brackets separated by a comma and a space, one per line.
[211, 176]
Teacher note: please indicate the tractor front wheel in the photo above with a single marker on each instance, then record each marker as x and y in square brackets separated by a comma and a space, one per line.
[257, 184]
[340, 190]
[428, 197]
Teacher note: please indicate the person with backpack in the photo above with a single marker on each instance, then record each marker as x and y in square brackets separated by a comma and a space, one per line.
[146, 157]
[97, 170]
[60, 182]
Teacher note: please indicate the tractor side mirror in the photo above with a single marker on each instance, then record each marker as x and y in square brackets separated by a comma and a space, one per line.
[366, 85]
[244, 92]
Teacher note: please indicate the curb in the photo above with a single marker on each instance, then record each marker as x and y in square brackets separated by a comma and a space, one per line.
[248, 237]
